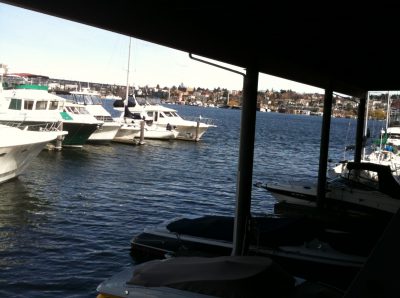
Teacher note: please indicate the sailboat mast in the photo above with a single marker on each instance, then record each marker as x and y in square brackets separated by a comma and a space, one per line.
[388, 111]
[127, 75]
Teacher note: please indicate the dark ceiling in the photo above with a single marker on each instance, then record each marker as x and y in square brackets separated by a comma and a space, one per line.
[353, 50]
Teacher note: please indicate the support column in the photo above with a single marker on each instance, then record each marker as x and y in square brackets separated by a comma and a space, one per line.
[360, 129]
[245, 167]
[324, 147]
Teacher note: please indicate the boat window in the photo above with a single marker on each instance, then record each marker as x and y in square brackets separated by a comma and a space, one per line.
[136, 116]
[78, 98]
[150, 114]
[161, 115]
[72, 110]
[168, 114]
[15, 104]
[394, 136]
[28, 104]
[87, 100]
[53, 105]
[96, 100]
[82, 110]
[41, 105]
[175, 114]
[68, 97]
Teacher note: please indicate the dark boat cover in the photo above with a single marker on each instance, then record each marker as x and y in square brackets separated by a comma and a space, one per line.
[228, 276]
[348, 236]
[266, 231]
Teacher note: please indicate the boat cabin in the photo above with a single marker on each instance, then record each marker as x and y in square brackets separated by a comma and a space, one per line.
[25, 100]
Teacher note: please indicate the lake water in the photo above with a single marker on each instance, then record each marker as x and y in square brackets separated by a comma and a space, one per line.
[66, 224]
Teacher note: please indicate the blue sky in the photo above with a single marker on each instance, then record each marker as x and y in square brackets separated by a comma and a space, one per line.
[37, 43]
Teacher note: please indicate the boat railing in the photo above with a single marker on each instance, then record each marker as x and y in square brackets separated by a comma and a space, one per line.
[105, 118]
[208, 121]
[49, 126]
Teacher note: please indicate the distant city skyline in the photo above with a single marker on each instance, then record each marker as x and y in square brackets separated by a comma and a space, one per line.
[61, 49]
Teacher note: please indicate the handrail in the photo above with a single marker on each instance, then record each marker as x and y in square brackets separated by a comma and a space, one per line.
[216, 65]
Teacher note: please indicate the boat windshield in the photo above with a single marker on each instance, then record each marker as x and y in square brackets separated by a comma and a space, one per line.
[72, 110]
[96, 100]
[78, 98]
[87, 99]
[169, 114]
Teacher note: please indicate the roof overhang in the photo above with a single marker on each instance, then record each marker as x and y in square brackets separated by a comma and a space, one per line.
[351, 51]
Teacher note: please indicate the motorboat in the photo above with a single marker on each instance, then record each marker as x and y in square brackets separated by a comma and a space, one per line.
[352, 192]
[18, 147]
[93, 104]
[164, 117]
[25, 100]
[225, 276]
[306, 248]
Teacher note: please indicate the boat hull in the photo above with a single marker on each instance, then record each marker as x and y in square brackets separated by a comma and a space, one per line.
[126, 134]
[157, 134]
[190, 133]
[14, 159]
[78, 133]
[104, 134]
[350, 200]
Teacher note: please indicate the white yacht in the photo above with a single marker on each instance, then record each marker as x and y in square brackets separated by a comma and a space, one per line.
[166, 117]
[132, 128]
[25, 100]
[18, 147]
[93, 104]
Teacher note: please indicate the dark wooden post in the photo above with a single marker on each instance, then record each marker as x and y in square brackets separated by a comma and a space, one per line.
[324, 147]
[360, 129]
[245, 167]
